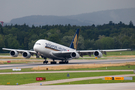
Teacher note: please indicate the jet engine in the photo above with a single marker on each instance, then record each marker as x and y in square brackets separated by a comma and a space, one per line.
[74, 55]
[98, 54]
[14, 53]
[26, 54]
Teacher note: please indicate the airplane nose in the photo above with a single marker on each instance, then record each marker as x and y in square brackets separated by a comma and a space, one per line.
[35, 48]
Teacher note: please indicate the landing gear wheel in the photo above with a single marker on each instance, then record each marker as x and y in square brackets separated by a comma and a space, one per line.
[66, 62]
[61, 62]
[53, 62]
[45, 62]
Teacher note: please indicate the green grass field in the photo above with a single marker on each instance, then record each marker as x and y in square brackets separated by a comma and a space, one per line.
[120, 53]
[131, 67]
[96, 81]
[127, 67]
[31, 78]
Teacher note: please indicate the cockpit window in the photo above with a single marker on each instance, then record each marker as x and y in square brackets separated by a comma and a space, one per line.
[38, 44]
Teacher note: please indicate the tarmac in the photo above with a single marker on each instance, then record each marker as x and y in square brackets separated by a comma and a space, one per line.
[72, 62]
[109, 86]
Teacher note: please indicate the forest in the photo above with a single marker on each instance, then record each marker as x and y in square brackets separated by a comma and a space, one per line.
[106, 36]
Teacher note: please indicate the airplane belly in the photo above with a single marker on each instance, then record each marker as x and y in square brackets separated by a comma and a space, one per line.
[47, 53]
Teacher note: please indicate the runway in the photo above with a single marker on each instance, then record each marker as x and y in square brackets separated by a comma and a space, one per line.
[71, 62]
[110, 86]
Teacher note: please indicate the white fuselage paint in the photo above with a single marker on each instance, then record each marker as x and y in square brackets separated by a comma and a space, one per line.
[45, 48]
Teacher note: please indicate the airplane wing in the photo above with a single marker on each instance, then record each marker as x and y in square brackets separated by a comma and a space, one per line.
[98, 53]
[19, 50]
[15, 52]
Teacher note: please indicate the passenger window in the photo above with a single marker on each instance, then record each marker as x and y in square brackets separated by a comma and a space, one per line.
[38, 44]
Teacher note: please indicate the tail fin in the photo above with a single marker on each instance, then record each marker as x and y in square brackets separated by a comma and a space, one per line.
[74, 42]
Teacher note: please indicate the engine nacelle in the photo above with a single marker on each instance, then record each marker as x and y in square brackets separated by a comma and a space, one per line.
[98, 54]
[14, 53]
[74, 55]
[26, 54]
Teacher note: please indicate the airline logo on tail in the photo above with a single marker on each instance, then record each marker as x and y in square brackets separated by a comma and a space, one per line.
[74, 42]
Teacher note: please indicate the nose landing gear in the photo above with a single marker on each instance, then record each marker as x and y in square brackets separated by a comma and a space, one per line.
[45, 62]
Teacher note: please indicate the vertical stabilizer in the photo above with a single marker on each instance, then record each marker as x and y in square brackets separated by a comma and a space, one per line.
[74, 42]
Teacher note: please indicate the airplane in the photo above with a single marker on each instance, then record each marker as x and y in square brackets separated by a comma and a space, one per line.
[47, 49]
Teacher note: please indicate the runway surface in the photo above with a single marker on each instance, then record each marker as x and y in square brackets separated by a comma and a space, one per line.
[110, 86]
[71, 62]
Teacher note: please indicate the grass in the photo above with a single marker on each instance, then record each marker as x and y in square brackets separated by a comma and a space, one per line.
[31, 78]
[21, 61]
[120, 53]
[82, 66]
[4, 54]
[96, 81]
[113, 55]
[127, 67]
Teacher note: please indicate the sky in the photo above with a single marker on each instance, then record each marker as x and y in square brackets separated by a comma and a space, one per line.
[10, 9]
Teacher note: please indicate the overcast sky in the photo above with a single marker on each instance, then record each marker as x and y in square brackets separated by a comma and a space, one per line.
[10, 9]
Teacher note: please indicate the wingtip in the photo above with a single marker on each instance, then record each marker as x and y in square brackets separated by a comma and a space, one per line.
[3, 48]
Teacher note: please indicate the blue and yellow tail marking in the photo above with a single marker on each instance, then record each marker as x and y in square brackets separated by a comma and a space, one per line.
[74, 42]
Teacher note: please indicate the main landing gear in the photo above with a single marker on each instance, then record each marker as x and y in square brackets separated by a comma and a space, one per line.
[53, 62]
[45, 62]
[63, 62]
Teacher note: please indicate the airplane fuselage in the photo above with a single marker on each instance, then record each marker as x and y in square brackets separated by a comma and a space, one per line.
[46, 48]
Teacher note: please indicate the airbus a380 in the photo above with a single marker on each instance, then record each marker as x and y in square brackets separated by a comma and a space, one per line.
[47, 49]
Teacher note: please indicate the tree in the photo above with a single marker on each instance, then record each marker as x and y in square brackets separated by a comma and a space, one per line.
[66, 40]
[31, 44]
[2, 44]
[131, 24]
[80, 45]
[89, 44]
[105, 43]
[1, 30]
[11, 42]
[54, 38]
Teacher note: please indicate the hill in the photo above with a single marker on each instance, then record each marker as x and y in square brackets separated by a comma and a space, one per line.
[100, 17]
